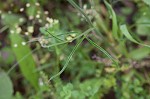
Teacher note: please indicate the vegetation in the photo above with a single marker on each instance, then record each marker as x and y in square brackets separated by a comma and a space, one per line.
[74, 49]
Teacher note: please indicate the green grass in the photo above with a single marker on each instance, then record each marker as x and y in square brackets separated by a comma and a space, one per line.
[74, 49]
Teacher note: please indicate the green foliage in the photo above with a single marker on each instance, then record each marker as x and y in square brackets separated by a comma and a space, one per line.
[136, 54]
[6, 87]
[147, 2]
[114, 20]
[27, 66]
[124, 30]
[74, 49]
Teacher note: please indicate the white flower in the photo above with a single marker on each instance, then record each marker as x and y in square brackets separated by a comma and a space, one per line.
[30, 29]
[21, 9]
[31, 17]
[85, 6]
[26, 33]
[46, 12]
[9, 12]
[23, 43]
[50, 20]
[12, 31]
[21, 20]
[15, 45]
[28, 5]
[37, 16]
[37, 4]
[18, 29]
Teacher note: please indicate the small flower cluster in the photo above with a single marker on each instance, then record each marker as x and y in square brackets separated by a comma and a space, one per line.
[51, 22]
[44, 42]
[40, 17]
[89, 12]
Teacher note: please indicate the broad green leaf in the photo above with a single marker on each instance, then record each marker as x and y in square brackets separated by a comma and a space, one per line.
[147, 2]
[143, 22]
[6, 87]
[143, 29]
[11, 20]
[139, 53]
[124, 30]
[27, 65]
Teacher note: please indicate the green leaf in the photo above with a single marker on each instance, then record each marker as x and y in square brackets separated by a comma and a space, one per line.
[27, 65]
[143, 29]
[147, 2]
[66, 91]
[143, 22]
[136, 54]
[6, 87]
[124, 30]
[114, 20]
[90, 87]
[11, 20]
